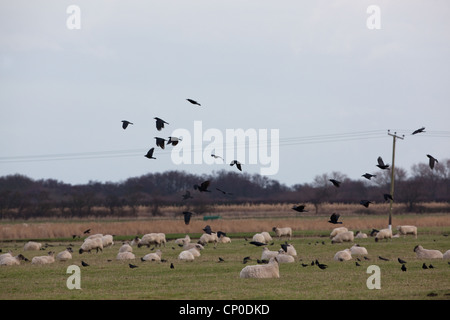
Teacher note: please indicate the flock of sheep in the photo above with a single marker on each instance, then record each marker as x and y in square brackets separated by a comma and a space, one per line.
[267, 267]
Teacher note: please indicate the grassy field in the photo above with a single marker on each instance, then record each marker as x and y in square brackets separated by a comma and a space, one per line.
[206, 278]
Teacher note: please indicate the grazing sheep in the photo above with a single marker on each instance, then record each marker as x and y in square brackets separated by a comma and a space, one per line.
[360, 235]
[186, 255]
[208, 238]
[7, 259]
[280, 232]
[270, 270]
[336, 231]
[126, 248]
[383, 234]
[32, 246]
[183, 241]
[446, 255]
[125, 256]
[266, 236]
[49, 258]
[346, 236]
[357, 249]
[65, 255]
[267, 254]
[343, 255]
[91, 244]
[404, 230]
[427, 253]
[259, 237]
[107, 241]
[283, 257]
[151, 238]
[154, 256]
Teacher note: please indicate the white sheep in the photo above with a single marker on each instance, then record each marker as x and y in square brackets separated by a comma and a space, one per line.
[195, 252]
[267, 254]
[162, 239]
[343, 255]
[91, 244]
[357, 249]
[32, 246]
[427, 253]
[404, 230]
[188, 246]
[135, 241]
[291, 250]
[49, 258]
[258, 237]
[267, 236]
[280, 232]
[446, 255]
[336, 231]
[346, 236]
[151, 238]
[186, 255]
[126, 248]
[65, 255]
[360, 235]
[283, 257]
[125, 256]
[96, 235]
[269, 270]
[224, 239]
[154, 256]
[107, 241]
[383, 234]
[208, 238]
[183, 241]
[8, 259]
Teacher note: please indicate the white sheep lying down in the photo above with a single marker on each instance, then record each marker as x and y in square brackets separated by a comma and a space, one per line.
[32, 246]
[383, 234]
[126, 248]
[259, 237]
[336, 231]
[360, 235]
[270, 270]
[346, 236]
[283, 257]
[357, 249]
[186, 255]
[125, 256]
[405, 230]
[281, 232]
[154, 256]
[50, 258]
[446, 255]
[343, 255]
[7, 259]
[183, 241]
[208, 238]
[65, 255]
[268, 254]
[427, 253]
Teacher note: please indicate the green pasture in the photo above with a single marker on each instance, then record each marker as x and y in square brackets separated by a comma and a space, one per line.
[206, 278]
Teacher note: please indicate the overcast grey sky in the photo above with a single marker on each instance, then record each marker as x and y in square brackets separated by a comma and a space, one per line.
[312, 70]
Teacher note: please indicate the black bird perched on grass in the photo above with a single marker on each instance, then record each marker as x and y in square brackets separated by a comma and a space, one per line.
[431, 266]
[381, 164]
[384, 259]
[336, 183]
[300, 208]
[257, 243]
[187, 217]
[160, 123]
[304, 265]
[187, 195]
[149, 154]
[84, 264]
[321, 265]
[132, 266]
[193, 102]
[172, 266]
[125, 124]
[387, 197]
[203, 187]
[160, 142]
[365, 203]
[221, 260]
[246, 259]
[357, 264]
[419, 130]
[401, 261]
[237, 163]
[334, 218]
[368, 176]
[403, 267]
[432, 161]
[424, 266]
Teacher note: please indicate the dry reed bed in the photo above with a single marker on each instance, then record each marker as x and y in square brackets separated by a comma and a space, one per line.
[39, 230]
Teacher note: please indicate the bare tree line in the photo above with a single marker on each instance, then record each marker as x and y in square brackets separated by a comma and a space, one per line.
[22, 197]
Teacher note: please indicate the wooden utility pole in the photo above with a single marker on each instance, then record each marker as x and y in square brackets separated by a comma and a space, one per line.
[394, 137]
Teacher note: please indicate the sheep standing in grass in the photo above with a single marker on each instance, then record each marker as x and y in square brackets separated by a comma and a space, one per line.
[65, 255]
[281, 232]
[32, 246]
[405, 230]
[186, 255]
[346, 236]
[270, 270]
[357, 249]
[125, 256]
[154, 256]
[427, 253]
[50, 258]
[95, 243]
[151, 238]
[336, 231]
[343, 255]
[8, 259]
[383, 234]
